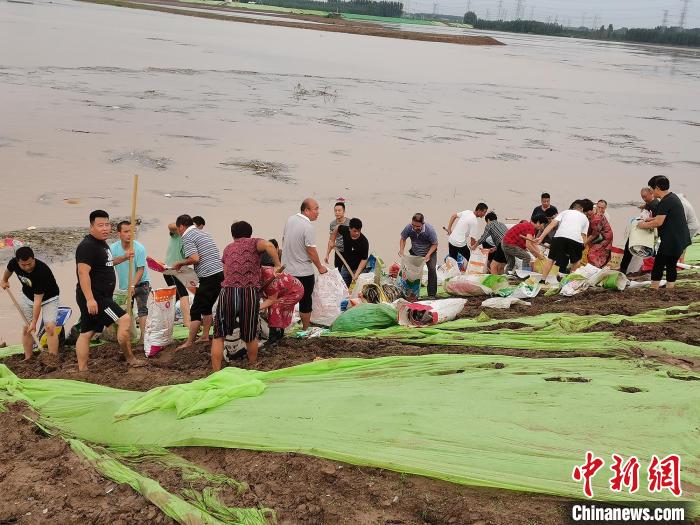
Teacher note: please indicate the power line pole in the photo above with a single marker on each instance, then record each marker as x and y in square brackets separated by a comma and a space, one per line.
[518, 8]
[532, 12]
[664, 22]
[500, 9]
[595, 22]
[488, 14]
[469, 5]
[684, 13]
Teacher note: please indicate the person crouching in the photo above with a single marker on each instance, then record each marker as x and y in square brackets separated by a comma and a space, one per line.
[239, 299]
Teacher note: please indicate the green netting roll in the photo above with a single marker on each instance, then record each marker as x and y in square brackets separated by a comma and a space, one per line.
[372, 316]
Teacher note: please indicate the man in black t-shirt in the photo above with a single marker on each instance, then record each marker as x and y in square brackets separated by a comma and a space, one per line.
[39, 294]
[673, 230]
[355, 249]
[96, 282]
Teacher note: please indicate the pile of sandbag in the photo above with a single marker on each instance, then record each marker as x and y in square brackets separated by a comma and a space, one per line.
[588, 276]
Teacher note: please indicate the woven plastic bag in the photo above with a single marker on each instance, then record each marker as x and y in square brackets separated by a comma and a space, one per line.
[410, 275]
[160, 321]
[478, 262]
[466, 286]
[427, 313]
[329, 291]
[446, 270]
[372, 316]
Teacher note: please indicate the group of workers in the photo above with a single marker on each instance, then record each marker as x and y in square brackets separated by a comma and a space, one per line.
[254, 275]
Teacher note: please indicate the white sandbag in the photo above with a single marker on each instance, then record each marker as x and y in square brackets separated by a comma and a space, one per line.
[526, 290]
[362, 280]
[160, 320]
[410, 275]
[478, 262]
[427, 313]
[574, 286]
[503, 303]
[186, 275]
[445, 271]
[329, 291]
[466, 286]
[642, 241]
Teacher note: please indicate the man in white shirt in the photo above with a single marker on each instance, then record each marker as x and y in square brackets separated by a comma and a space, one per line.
[463, 231]
[690, 215]
[567, 244]
[299, 254]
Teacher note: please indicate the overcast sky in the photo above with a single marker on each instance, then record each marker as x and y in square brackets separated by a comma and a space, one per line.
[629, 13]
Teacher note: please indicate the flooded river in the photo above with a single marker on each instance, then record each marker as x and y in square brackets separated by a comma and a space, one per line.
[90, 95]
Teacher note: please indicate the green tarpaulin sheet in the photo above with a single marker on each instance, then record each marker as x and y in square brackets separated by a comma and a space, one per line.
[495, 421]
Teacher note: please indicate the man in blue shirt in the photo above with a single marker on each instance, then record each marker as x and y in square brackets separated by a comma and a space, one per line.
[140, 284]
[424, 242]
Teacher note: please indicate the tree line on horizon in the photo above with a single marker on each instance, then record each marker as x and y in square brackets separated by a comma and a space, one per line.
[357, 7]
[659, 35]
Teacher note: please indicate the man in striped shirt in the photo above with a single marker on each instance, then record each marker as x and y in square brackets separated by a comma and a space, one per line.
[493, 235]
[201, 252]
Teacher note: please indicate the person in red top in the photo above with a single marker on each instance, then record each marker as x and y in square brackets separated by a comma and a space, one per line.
[519, 240]
[239, 299]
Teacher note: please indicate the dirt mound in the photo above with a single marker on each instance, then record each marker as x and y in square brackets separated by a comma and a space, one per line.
[43, 481]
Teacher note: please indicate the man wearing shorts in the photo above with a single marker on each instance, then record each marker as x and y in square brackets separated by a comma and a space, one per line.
[96, 282]
[202, 253]
[493, 235]
[572, 232]
[39, 296]
[299, 254]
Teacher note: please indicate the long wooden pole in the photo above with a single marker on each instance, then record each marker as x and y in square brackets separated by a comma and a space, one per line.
[21, 314]
[129, 294]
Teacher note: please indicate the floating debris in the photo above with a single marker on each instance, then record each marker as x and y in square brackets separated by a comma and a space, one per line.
[270, 170]
[143, 158]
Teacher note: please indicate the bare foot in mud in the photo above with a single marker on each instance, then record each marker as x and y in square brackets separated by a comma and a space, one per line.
[50, 361]
[184, 345]
[203, 340]
[136, 363]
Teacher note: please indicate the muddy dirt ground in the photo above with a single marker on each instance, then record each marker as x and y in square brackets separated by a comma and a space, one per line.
[39, 472]
[57, 244]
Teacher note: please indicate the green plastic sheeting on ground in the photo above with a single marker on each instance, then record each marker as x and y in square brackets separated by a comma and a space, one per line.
[549, 331]
[496, 421]
[206, 508]
[692, 254]
[371, 316]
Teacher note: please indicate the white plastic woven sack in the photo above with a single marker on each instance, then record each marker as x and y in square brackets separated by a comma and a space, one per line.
[329, 291]
[478, 262]
[186, 275]
[160, 320]
[445, 271]
[466, 286]
[362, 280]
[427, 313]
[410, 275]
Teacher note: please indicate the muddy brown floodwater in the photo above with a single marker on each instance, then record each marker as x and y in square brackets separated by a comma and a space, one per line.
[91, 94]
